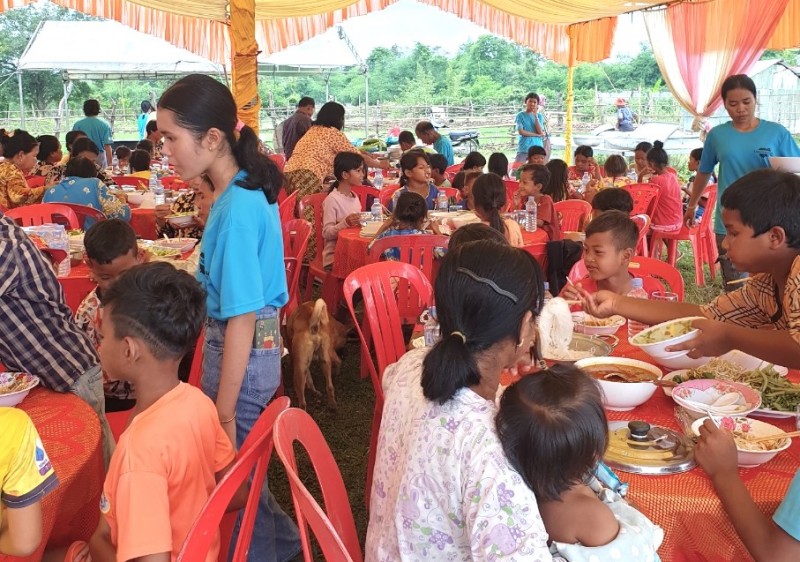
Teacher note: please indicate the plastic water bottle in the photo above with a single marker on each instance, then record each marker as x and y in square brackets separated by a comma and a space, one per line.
[632, 175]
[441, 201]
[376, 210]
[115, 165]
[637, 292]
[584, 182]
[530, 214]
[432, 330]
[377, 181]
[157, 189]
[548, 296]
[165, 163]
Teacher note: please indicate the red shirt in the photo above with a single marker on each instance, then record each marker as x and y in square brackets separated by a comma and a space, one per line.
[668, 215]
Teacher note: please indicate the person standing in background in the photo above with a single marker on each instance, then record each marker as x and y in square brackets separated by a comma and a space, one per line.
[624, 116]
[97, 130]
[530, 127]
[148, 114]
[293, 128]
[427, 134]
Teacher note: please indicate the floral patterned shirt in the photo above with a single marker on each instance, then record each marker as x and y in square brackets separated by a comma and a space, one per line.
[183, 204]
[51, 173]
[442, 488]
[14, 190]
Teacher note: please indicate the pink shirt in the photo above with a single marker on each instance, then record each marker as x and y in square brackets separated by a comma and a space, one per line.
[335, 208]
[668, 215]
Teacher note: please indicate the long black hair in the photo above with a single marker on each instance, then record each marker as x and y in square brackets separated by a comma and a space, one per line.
[345, 162]
[48, 144]
[489, 193]
[20, 141]
[556, 188]
[201, 103]
[498, 164]
[483, 291]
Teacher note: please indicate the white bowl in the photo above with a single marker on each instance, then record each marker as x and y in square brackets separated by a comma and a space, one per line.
[657, 349]
[785, 163]
[11, 399]
[750, 459]
[135, 197]
[681, 360]
[688, 395]
[610, 325]
[623, 396]
[183, 245]
[181, 221]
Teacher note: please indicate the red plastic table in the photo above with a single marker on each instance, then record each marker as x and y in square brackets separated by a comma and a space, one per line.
[70, 432]
[685, 505]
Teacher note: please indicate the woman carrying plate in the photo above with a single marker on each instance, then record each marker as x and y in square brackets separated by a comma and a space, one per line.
[185, 203]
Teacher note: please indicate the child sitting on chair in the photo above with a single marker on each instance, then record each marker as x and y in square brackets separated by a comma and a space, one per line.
[609, 247]
[341, 208]
[612, 200]
[488, 199]
[761, 318]
[410, 216]
[532, 179]
[668, 215]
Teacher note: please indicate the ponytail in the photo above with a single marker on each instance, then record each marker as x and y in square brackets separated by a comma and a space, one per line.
[262, 172]
[448, 367]
[489, 193]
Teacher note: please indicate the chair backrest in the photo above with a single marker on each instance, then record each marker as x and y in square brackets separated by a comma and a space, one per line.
[255, 453]
[451, 192]
[35, 181]
[279, 159]
[173, 182]
[383, 302]
[643, 222]
[85, 212]
[44, 213]
[666, 275]
[451, 171]
[314, 201]
[75, 290]
[140, 183]
[196, 369]
[334, 527]
[415, 249]
[645, 198]
[705, 221]
[296, 234]
[572, 214]
[286, 207]
[512, 186]
[387, 192]
[366, 195]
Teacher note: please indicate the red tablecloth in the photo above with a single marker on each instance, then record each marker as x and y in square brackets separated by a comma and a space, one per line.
[143, 222]
[70, 432]
[685, 505]
[77, 285]
[351, 250]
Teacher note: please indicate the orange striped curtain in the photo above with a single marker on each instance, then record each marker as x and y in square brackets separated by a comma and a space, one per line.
[787, 34]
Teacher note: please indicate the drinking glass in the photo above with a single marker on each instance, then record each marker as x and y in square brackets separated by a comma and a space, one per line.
[456, 208]
[365, 218]
[520, 217]
[664, 296]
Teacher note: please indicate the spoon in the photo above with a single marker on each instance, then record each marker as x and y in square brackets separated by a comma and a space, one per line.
[629, 378]
[727, 399]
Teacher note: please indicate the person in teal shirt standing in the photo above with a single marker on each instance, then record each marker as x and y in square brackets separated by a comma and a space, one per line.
[427, 134]
[97, 130]
[743, 144]
[530, 126]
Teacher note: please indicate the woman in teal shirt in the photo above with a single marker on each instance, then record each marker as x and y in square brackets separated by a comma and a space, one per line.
[530, 127]
[241, 268]
[743, 144]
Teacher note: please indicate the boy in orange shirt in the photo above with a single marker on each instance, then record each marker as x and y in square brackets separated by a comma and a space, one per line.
[174, 450]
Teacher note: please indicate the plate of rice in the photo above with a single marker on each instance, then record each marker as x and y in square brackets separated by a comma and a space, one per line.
[14, 387]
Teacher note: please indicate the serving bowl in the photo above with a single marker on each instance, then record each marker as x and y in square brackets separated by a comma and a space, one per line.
[656, 339]
[26, 383]
[698, 396]
[785, 163]
[591, 346]
[181, 221]
[622, 396]
[746, 458]
[183, 245]
[134, 197]
[591, 326]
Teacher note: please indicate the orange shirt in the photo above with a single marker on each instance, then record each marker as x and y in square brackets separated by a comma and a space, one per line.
[316, 150]
[162, 473]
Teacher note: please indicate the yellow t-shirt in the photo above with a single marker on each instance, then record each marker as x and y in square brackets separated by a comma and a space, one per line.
[26, 473]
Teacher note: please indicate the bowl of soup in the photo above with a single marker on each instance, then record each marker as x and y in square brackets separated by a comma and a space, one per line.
[619, 395]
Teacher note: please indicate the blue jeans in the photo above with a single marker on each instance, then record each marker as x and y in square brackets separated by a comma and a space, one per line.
[275, 535]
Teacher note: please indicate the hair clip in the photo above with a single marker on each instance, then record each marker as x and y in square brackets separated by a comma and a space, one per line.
[485, 281]
[239, 126]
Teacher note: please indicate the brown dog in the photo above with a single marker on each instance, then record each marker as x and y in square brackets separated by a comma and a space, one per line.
[312, 333]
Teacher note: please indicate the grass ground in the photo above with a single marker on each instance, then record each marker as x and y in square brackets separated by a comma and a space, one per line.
[348, 429]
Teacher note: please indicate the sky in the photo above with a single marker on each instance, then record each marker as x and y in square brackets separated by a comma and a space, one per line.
[431, 27]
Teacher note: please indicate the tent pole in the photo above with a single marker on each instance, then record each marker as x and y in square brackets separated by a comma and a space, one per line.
[366, 103]
[570, 97]
[21, 101]
[244, 49]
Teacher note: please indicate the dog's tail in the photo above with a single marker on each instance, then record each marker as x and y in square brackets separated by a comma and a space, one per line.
[319, 316]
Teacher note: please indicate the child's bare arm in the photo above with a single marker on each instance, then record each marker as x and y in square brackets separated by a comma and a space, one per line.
[239, 499]
[160, 557]
[21, 530]
[716, 454]
[100, 546]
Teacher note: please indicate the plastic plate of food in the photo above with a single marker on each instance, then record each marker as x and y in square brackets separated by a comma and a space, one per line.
[749, 452]
[183, 245]
[718, 397]
[163, 252]
[181, 220]
[14, 387]
[587, 324]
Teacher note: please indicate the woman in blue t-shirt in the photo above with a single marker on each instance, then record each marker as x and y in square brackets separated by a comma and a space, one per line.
[743, 144]
[530, 127]
[241, 268]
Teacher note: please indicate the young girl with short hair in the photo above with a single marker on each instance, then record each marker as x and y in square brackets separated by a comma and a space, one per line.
[488, 199]
[341, 207]
[554, 432]
[241, 268]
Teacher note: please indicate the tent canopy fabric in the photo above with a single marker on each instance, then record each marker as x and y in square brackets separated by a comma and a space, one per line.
[125, 52]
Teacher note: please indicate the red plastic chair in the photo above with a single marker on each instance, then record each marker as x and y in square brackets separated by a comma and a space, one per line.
[255, 453]
[335, 530]
[385, 306]
[415, 249]
[643, 222]
[572, 214]
[44, 213]
[451, 171]
[366, 195]
[286, 207]
[296, 234]
[315, 269]
[173, 182]
[196, 370]
[138, 183]
[512, 186]
[279, 159]
[75, 290]
[387, 193]
[664, 275]
[701, 237]
[85, 212]
[35, 181]
[645, 198]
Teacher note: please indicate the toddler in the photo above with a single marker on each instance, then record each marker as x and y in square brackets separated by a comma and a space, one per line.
[408, 217]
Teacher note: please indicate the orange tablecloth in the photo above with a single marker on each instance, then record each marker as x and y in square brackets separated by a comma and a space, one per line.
[685, 505]
[70, 432]
[351, 250]
[143, 222]
[76, 285]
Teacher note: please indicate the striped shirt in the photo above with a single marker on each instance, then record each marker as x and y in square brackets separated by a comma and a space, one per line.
[758, 305]
[37, 333]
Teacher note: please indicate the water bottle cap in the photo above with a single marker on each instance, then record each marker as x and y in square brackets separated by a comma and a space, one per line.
[546, 286]
[531, 199]
[637, 283]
